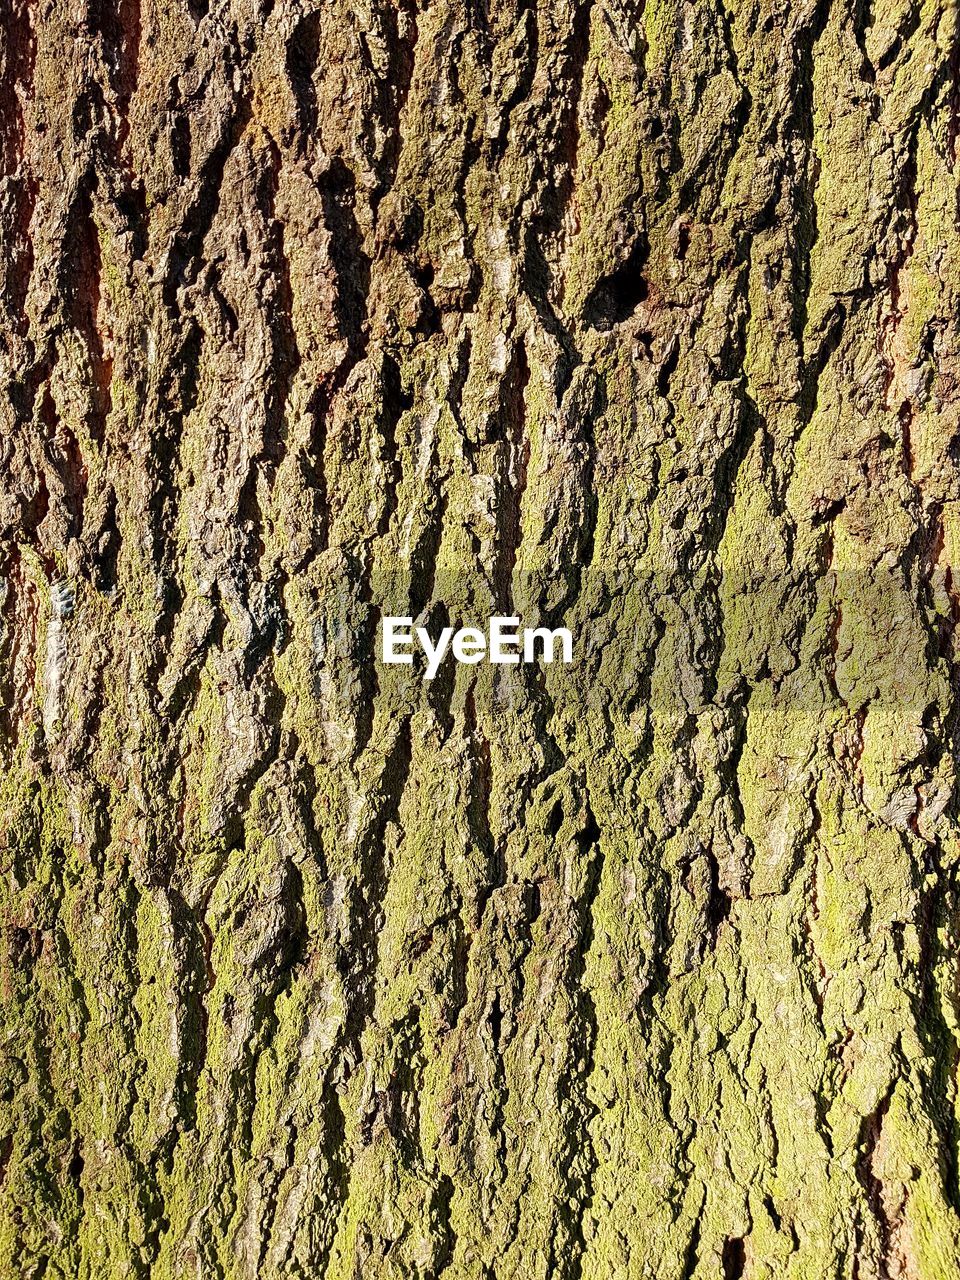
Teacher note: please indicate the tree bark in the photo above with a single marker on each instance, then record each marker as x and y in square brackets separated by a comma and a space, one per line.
[635, 318]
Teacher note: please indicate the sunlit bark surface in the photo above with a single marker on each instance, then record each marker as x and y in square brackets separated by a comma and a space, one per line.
[639, 319]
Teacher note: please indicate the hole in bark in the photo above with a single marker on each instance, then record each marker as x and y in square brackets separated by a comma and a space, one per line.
[719, 904]
[107, 548]
[830, 512]
[429, 321]
[555, 821]
[734, 1259]
[590, 835]
[616, 297]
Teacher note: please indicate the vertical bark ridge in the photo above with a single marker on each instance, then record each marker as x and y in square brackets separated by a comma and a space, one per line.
[639, 319]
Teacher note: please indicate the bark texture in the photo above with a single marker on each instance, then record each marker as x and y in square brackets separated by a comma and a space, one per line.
[640, 318]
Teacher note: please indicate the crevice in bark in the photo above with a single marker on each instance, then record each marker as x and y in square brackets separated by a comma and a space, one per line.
[733, 1259]
[118, 22]
[510, 434]
[870, 1133]
[184, 262]
[350, 263]
[396, 401]
[359, 966]
[302, 63]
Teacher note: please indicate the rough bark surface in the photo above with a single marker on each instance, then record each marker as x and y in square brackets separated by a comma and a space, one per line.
[636, 317]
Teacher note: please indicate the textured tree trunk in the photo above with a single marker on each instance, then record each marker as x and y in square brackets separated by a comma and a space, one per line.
[635, 318]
